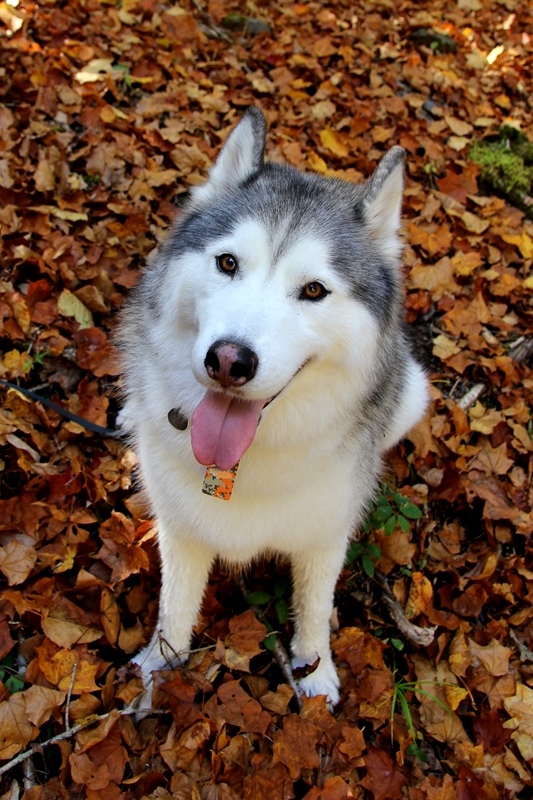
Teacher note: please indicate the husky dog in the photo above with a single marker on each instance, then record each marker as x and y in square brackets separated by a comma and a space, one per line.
[267, 332]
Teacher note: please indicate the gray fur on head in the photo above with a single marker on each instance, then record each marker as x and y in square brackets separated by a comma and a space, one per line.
[241, 158]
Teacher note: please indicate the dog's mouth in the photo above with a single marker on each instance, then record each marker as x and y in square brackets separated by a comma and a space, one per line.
[223, 426]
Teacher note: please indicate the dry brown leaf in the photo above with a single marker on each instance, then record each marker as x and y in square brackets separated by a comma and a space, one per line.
[16, 561]
[295, 745]
[16, 729]
[41, 703]
[520, 709]
[494, 657]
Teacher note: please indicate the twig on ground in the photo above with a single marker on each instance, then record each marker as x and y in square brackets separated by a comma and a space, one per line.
[29, 775]
[69, 696]
[280, 654]
[471, 396]
[73, 730]
[414, 633]
[522, 349]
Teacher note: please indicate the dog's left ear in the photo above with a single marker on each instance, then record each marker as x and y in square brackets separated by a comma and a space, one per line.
[241, 157]
[382, 200]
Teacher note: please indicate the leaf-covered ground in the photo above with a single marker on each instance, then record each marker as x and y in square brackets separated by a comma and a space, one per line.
[109, 112]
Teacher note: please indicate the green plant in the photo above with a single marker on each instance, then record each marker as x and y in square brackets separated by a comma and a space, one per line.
[506, 161]
[402, 689]
[392, 510]
[278, 601]
[8, 675]
[367, 552]
[35, 359]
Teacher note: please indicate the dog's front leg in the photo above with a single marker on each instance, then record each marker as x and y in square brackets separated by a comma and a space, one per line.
[184, 572]
[314, 577]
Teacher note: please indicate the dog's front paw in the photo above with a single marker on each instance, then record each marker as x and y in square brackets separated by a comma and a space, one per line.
[155, 657]
[142, 704]
[322, 680]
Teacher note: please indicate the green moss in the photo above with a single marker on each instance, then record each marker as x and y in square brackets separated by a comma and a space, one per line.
[506, 162]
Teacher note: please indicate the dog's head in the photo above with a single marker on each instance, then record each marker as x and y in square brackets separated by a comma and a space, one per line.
[272, 272]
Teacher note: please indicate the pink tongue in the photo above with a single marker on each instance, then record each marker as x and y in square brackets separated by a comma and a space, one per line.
[223, 428]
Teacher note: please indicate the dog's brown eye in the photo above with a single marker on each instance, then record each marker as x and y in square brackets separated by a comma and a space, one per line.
[227, 263]
[313, 291]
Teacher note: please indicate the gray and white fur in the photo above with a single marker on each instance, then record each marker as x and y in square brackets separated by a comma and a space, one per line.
[271, 320]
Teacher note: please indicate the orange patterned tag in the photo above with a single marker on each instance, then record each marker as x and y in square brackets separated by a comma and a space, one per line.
[219, 482]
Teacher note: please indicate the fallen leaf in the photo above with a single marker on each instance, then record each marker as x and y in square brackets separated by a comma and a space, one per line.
[41, 702]
[331, 140]
[494, 657]
[16, 561]
[520, 709]
[384, 778]
[16, 729]
[64, 631]
[69, 305]
[295, 745]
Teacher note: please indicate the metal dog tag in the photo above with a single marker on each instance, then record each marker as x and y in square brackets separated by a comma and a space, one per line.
[219, 482]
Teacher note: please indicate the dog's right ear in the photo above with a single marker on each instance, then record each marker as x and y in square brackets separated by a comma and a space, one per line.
[240, 158]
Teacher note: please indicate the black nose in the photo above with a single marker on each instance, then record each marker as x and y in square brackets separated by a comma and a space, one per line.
[230, 363]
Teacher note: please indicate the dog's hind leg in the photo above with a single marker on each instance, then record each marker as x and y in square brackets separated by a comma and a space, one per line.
[314, 577]
[184, 572]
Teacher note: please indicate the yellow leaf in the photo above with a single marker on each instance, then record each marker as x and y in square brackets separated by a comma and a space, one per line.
[420, 595]
[520, 709]
[522, 240]
[95, 70]
[316, 163]
[16, 363]
[454, 694]
[70, 216]
[458, 126]
[332, 141]
[324, 109]
[458, 142]
[69, 305]
[444, 347]
[484, 420]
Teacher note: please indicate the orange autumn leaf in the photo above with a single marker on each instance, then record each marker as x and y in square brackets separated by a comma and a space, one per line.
[16, 561]
[60, 665]
[436, 278]
[384, 778]
[494, 657]
[246, 634]
[59, 625]
[16, 729]
[295, 745]
[420, 595]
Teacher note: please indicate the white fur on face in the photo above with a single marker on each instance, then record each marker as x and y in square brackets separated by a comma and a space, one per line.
[260, 307]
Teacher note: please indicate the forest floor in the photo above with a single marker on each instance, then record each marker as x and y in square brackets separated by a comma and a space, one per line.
[109, 112]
